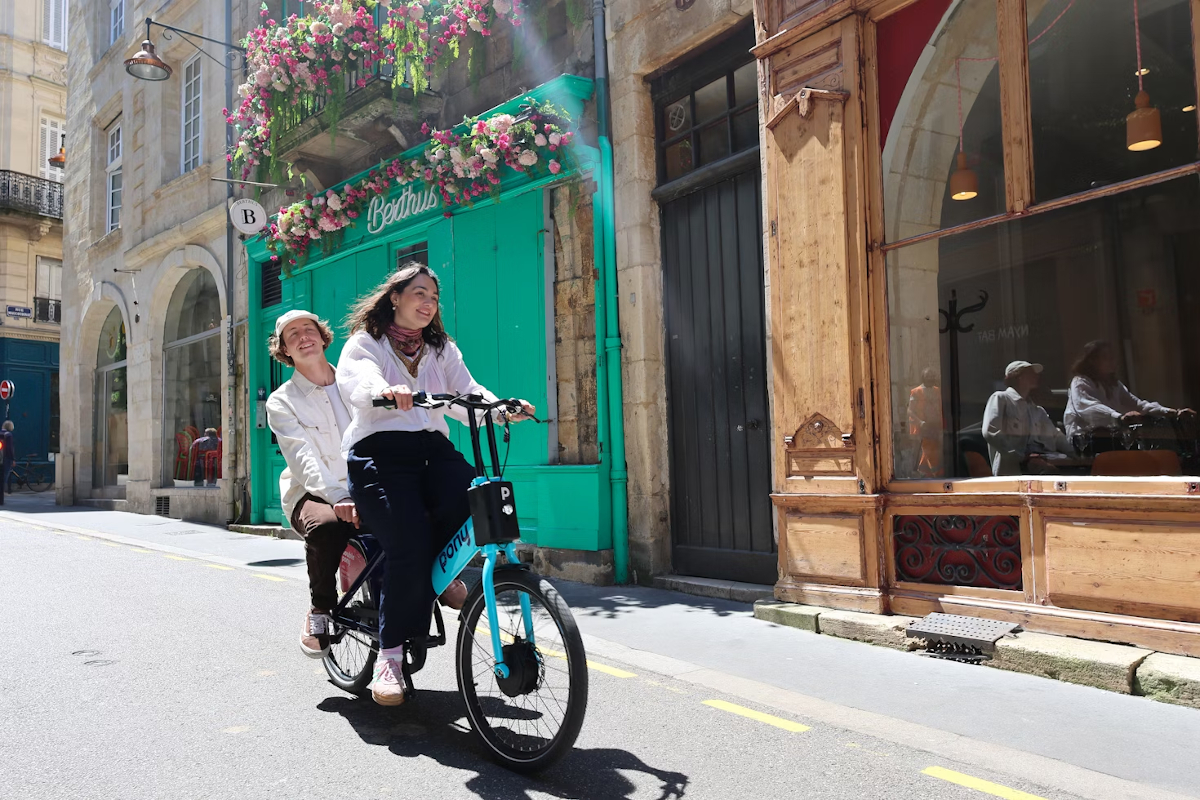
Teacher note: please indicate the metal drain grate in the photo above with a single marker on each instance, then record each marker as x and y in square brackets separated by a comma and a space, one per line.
[960, 638]
[162, 506]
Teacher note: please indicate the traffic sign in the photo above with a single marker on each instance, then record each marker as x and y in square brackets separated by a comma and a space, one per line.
[7, 389]
[247, 216]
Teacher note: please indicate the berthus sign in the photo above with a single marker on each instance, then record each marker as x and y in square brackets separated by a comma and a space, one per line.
[411, 201]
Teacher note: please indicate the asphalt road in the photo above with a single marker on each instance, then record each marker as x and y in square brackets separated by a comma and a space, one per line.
[135, 672]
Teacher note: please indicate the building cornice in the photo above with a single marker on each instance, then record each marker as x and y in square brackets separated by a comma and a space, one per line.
[198, 230]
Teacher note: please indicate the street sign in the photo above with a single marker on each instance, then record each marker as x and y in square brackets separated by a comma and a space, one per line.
[248, 216]
[7, 389]
[20, 311]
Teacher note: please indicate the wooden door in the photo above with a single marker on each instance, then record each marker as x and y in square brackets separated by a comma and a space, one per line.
[717, 383]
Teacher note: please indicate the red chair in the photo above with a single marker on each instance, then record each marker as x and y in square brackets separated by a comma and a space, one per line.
[183, 461]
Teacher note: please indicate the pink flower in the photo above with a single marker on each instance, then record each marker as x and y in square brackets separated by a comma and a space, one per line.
[555, 139]
[528, 158]
[539, 140]
[555, 167]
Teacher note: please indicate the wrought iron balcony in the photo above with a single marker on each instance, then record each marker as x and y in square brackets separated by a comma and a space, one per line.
[22, 192]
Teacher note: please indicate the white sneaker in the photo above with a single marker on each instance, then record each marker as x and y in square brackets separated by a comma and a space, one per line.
[387, 689]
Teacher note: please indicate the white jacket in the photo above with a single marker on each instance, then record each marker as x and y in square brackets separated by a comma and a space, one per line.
[1015, 428]
[368, 366]
[302, 418]
[1093, 405]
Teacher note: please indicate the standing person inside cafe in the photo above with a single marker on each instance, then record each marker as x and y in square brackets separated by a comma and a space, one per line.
[1020, 435]
[8, 442]
[308, 417]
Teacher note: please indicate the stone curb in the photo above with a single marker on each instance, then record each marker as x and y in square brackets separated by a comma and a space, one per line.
[273, 531]
[716, 589]
[1170, 678]
[1112, 667]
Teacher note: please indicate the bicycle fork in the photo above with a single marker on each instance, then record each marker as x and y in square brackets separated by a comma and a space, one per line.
[491, 553]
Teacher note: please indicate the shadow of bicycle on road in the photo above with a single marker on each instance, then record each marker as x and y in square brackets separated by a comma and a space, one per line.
[434, 725]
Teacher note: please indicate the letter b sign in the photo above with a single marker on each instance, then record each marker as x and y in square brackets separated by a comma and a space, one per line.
[248, 216]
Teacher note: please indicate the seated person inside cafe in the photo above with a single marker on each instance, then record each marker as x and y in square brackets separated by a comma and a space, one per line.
[1099, 403]
[308, 417]
[1020, 435]
[205, 456]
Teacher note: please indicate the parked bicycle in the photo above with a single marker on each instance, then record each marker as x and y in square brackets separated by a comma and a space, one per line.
[520, 662]
[35, 476]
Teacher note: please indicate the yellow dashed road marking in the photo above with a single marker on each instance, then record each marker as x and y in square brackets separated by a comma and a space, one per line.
[140, 550]
[270, 578]
[175, 558]
[605, 668]
[978, 784]
[749, 713]
[110, 544]
[84, 538]
[218, 566]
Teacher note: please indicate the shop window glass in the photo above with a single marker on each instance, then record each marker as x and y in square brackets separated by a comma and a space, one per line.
[1083, 74]
[110, 448]
[939, 94]
[1023, 347]
[192, 448]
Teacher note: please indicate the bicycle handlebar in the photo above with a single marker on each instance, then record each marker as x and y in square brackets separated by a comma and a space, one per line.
[472, 401]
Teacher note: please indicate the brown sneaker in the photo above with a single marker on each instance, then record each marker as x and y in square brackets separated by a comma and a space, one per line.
[314, 636]
[454, 596]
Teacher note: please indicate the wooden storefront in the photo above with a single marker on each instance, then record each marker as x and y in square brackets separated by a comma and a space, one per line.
[876, 275]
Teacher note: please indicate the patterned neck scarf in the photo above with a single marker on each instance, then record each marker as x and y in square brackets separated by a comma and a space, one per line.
[407, 341]
[409, 346]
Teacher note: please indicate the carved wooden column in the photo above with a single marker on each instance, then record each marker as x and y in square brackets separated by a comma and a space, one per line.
[814, 201]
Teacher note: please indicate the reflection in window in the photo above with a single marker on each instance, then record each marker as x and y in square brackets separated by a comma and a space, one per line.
[940, 108]
[1064, 343]
[110, 466]
[192, 383]
[1084, 65]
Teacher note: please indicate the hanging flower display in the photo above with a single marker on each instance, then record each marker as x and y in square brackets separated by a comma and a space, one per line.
[460, 166]
[333, 49]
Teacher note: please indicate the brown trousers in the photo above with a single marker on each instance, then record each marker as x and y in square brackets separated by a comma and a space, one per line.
[325, 538]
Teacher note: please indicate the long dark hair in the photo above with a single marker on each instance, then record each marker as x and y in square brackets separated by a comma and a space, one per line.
[374, 313]
[1087, 365]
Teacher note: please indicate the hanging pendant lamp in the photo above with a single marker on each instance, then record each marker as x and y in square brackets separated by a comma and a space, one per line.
[964, 183]
[1143, 125]
[59, 160]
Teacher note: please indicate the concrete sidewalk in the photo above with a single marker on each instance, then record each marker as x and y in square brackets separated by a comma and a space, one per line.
[1124, 736]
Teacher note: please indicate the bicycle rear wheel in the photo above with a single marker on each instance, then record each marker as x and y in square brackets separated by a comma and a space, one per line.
[41, 477]
[350, 661]
[530, 719]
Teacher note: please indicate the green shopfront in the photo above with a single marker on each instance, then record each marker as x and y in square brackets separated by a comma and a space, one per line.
[501, 280]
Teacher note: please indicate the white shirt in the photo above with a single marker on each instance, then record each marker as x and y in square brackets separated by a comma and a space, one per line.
[369, 366]
[1014, 428]
[340, 412]
[304, 419]
[1093, 405]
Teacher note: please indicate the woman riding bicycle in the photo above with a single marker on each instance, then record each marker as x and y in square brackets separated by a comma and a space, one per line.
[405, 477]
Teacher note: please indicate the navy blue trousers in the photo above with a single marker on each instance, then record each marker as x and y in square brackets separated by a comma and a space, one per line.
[411, 491]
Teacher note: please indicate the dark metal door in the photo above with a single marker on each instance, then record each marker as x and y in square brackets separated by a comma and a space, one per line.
[717, 383]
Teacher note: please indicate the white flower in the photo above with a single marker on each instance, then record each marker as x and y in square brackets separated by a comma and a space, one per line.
[319, 28]
[335, 202]
[488, 155]
[339, 29]
[244, 148]
[528, 158]
[278, 85]
[262, 77]
[456, 155]
[475, 24]
[539, 140]
[502, 6]
[555, 139]
[245, 89]
[502, 122]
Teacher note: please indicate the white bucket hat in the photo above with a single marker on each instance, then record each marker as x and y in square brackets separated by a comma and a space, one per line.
[289, 317]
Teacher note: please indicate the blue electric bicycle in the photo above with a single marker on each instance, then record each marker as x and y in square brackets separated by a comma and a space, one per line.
[520, 662]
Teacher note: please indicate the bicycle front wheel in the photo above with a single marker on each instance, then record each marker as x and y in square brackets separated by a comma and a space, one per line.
[41, 478]
[530, 719]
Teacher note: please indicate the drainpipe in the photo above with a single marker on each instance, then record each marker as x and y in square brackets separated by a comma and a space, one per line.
[607, 247]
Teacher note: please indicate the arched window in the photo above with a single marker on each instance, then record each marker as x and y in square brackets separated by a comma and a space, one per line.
[192, 383]
[111, 429]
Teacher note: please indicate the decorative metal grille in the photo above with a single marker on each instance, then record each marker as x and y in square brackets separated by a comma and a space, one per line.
[956, 550]
[23, 192]
[47, 310]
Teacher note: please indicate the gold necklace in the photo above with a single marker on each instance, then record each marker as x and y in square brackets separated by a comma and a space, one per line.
[412, 364]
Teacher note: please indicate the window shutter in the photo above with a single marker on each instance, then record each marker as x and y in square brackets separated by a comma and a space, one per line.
[51, 138]
[43, 277]
[54, 23]
[56, 280]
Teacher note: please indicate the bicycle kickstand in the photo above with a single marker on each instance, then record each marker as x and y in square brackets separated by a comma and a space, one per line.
[410, 691]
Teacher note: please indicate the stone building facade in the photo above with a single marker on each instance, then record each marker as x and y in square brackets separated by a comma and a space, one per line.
[33, 95]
